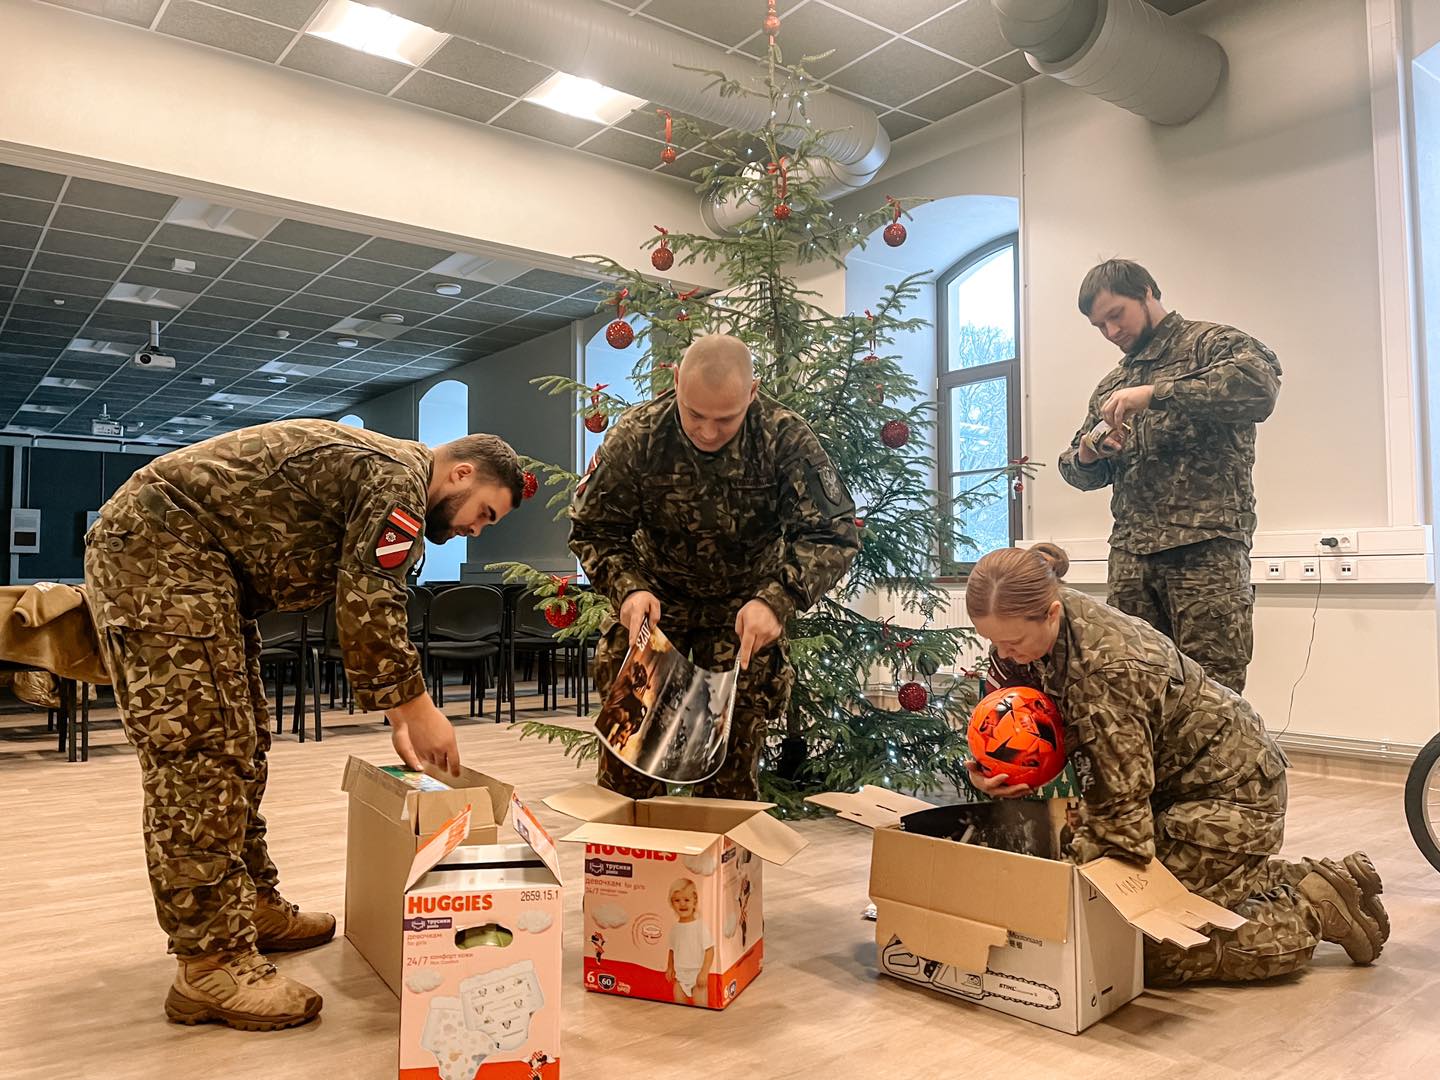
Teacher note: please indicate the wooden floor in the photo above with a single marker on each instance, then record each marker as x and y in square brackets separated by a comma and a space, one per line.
[85, 971]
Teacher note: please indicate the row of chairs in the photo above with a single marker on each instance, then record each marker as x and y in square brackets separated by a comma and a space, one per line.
[484, 630]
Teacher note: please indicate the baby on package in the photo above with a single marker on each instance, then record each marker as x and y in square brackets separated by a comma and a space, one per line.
[692, 949]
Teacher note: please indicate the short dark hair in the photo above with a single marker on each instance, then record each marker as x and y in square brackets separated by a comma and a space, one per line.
[1122, 277]
[494, 459]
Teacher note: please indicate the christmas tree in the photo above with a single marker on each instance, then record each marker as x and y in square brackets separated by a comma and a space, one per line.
[870, 705]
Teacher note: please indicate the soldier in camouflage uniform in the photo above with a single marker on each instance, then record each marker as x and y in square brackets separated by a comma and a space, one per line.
[1171, 765]
[185, 556]
[716, 513]
[1190, 394]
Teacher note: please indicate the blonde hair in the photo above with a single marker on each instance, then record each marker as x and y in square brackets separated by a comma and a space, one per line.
[683, 883]
[717, 359]
[1016, 583]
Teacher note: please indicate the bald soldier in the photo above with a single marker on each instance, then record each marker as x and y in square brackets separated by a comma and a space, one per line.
[715, 513]
[184, 556]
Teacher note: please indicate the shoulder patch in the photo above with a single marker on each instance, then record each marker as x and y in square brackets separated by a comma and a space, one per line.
[397, 536]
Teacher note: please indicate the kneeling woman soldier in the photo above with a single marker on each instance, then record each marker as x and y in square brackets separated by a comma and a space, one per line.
[1173, 766]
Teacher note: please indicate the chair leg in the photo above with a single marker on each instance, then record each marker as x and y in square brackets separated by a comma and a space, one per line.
[316, 692]
[84, 721]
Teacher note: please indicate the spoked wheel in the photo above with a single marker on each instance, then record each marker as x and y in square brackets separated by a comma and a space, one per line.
[1422, 801]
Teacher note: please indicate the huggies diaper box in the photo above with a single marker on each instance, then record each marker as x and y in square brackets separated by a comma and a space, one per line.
[481, 952]
[673, 893]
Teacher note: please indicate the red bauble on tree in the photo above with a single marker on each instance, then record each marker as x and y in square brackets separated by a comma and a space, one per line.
[895, 434]
[781, 171]
[620, 333]
[772, 21]
[662, 258]
[894, 232]
[913, 696]
[782, 211]
[668, 154]
[597, 422]
[561, 616]
[531, 486]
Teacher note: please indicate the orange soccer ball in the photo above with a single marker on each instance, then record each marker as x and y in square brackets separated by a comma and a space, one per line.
[1018, 731]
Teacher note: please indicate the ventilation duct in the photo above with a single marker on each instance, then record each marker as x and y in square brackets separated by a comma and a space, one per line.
[1123, 51]
[594, 41]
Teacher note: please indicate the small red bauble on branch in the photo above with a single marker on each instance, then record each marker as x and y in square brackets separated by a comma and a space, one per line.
[772, 21]
[662, 258]
[620, 333]
[781, 170]
[689, 294]
[895, 434]
[561, 617]
[913, 697]
[531, 486]
[597, 421]
[894, 234]
[667, 155]
[859, 523]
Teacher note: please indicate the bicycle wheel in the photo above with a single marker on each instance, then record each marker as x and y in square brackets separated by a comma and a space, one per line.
[1422, 801]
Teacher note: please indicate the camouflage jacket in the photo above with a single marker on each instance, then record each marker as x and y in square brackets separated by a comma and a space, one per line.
[767, 517]
[1154, 743]
[1184, 474]
[298, 512]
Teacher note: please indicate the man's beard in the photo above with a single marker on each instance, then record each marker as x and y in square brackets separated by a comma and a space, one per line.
[440, 519]
[1145, 335]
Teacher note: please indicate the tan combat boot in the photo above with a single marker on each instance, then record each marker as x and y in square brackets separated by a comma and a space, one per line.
[281, 926]
[1359, 866]
[240, 989]
[1342, 905]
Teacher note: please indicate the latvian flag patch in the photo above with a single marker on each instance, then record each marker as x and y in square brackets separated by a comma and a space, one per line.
[396, 539]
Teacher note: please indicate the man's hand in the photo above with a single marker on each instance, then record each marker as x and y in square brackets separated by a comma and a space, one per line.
[635, 608]
[1123, 404]
[757, 627]
[995, 786]
[422, 735]
[1111, 445]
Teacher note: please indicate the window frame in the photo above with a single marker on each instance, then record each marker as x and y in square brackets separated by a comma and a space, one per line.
[948, 380]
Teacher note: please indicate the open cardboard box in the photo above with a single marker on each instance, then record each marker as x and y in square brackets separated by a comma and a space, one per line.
[482, 939]
[1043, 940]
[642, 861]
[389, 820]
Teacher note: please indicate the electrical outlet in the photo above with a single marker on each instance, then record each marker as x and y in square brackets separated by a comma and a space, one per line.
[1310, 569]
[1345, 543]
[1275, 570]
[1347, 570]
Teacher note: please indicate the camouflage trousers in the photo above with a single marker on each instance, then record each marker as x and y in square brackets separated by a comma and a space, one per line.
[1211, 861]
[761, 696]
[194, 707]
[1199, 596]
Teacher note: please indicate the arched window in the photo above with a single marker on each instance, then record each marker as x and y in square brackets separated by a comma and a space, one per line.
[353, 420]
[979, 316]
[444, 415]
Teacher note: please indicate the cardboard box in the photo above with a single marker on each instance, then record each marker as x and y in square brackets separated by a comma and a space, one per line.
[1040, 939]
[391, 815]
[482, 949]
[673, 896]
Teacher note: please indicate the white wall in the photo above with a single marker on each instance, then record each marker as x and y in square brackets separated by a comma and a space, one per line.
[1260, 213]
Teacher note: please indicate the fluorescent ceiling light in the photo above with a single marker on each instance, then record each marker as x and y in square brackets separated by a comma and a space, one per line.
[376, 32]
[583, 98]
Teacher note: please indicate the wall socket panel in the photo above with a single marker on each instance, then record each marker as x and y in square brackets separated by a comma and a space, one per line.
[1345, 569]
[1310, 569]
[1346, 543]
[1274, 570]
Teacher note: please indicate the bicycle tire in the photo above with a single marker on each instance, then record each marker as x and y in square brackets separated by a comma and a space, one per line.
[1425, 832]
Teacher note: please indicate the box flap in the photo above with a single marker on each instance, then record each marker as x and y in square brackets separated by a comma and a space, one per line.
[873, 807]
[1150, 899]
[935, 935]
[591, 802]
[768, 837]
[529, 829]
[637, 837]
[386, 794]
[451, 836]
[472, 780]
[982, 885]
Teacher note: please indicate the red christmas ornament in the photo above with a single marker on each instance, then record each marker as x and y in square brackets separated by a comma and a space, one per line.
[772, 21]
[597, 422]
[667, 155]
[894, 232]
[870, 358]
[781, 170]
[895, 434]
[620, 333]
[560, 618]
[859, 523]
[913, 696]
[662, 258]
[1019, 487]
[532, 485]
